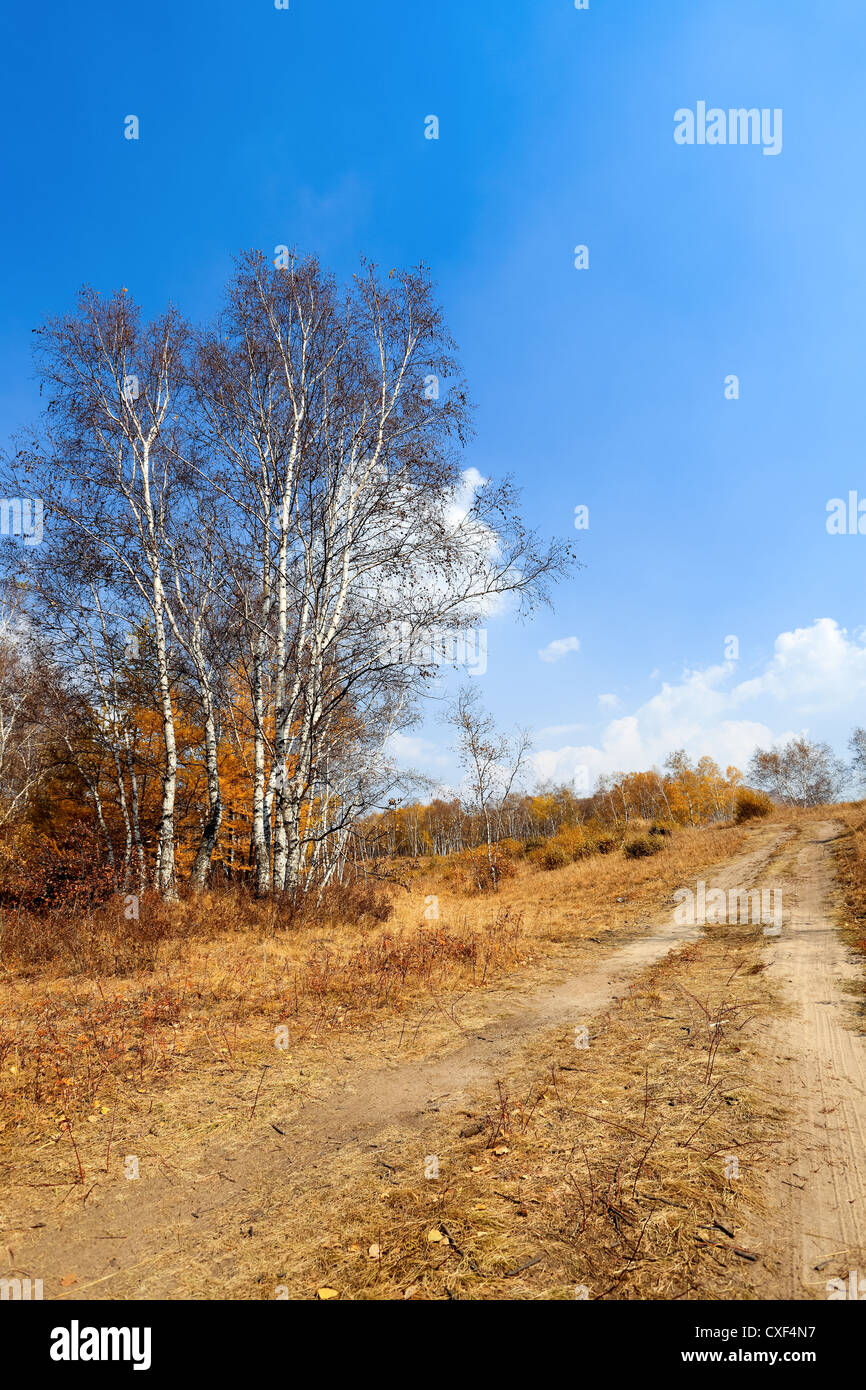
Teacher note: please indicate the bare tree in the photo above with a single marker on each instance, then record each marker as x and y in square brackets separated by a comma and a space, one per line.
[492, 764]
[25, 755]
[260, 504]
[106, 467]
[801, 773]
[857, 748]
[352, 515]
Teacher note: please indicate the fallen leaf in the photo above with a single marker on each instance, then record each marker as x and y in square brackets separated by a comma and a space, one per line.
[326, 1293]
[374, 1252]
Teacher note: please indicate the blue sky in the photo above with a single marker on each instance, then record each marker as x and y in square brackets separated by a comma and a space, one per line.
[603, 386]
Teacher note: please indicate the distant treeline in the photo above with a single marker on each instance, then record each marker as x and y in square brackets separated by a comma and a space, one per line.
[684, 794]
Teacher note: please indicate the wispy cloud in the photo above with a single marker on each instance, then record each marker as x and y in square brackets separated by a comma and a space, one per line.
[560, 647]
[560, 730]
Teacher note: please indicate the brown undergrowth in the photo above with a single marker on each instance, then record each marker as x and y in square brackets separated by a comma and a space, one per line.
[81, 1054]
[620, 1170]
[850, 853]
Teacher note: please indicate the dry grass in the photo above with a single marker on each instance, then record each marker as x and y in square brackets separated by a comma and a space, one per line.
[155, 1061]
[601, 895]
[851, 867]
[71, 1045]
[598, 1173]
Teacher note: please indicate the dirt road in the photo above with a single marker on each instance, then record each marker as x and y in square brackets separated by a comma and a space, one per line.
[816, 1226]
[165, 1237]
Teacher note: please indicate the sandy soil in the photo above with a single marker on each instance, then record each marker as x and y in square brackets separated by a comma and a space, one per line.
[816, 1227]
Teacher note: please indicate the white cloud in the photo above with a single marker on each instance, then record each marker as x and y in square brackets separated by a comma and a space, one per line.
[558, 730]
[609, 702]
[819, 666]
[816, 669]
[480, 540]
[560, 647]
[410, 751]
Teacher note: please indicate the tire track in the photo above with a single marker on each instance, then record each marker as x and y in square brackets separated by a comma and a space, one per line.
[816, 1227]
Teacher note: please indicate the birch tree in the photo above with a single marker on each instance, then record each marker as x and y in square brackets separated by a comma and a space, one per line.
[492, 764]
[107, 469]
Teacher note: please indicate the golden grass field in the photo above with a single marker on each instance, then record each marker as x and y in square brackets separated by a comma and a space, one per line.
[610, 1161]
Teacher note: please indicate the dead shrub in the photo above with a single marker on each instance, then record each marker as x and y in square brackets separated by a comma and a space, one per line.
[352, 901]
[477, 871]
[102, 941]
[641, 847]
[576, 841]
[512, 848]
[554, 856]
[39, 874]
[750, 805]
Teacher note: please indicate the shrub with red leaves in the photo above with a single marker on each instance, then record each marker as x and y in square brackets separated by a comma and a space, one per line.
[42, 875]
